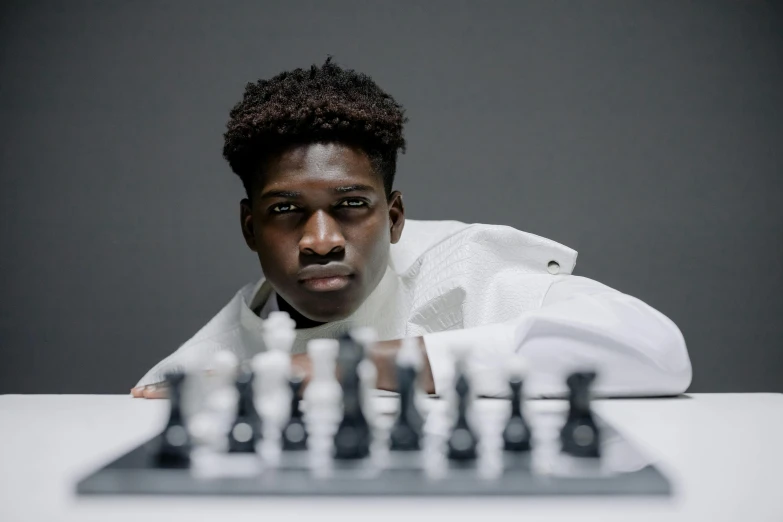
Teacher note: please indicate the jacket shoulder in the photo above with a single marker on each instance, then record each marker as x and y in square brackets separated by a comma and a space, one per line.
[440, 240]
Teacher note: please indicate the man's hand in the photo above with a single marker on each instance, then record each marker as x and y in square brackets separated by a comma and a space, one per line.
[151, 391]
[383, 354]
[301, 365]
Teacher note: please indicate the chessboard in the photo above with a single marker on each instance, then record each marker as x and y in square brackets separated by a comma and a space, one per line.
[244, 430]
[621, 471]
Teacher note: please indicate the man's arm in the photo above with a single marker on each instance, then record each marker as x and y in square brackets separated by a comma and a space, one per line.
[384, 355]
[636, 350]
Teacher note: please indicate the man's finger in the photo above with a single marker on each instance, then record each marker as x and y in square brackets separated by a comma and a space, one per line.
[138, 391]
[156, 391]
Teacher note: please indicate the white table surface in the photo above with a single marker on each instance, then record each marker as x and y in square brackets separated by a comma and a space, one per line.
[722, 452]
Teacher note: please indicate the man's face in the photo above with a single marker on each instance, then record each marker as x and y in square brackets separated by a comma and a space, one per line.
[322, 225]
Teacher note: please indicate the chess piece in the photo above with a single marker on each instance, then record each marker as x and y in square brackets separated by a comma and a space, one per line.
[279, 332]
[323, 392]
[273, 368]
[463, 439]
[580, 435]
[406, 433]
[295, 433]
[366, 337]
[221, 395]
[516, 434]
[224, 363]
[175, 443]
[353, 436]
[246, 428]
[324, 406]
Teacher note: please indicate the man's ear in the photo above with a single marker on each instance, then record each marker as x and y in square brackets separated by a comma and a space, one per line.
[246, 219]
[396, 215]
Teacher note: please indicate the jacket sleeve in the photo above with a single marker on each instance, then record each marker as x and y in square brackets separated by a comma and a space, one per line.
[221, 332]
[581, 324]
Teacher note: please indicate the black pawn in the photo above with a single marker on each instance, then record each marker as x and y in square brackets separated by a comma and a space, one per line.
[516, 434]
[246, 429]
[353, 437]
[295, 433]
[406, 432]
[175, 444]
[580, 436]
[463, 440]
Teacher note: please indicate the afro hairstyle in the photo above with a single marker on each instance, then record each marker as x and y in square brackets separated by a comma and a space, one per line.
[322, 104]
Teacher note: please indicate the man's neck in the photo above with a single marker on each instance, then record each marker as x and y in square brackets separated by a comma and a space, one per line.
[301, 321]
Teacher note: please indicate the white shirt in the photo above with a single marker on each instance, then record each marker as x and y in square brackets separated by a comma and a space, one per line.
[496, 290]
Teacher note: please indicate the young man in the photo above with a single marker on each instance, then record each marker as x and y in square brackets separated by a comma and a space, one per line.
[316, 151]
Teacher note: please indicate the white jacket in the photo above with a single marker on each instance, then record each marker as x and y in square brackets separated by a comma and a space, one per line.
[497, 290]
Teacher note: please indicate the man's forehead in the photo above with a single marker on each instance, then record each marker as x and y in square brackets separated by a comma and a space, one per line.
[321, 156]
[320, 166]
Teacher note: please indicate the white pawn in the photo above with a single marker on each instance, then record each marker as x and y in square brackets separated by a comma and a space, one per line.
[224, 363]
[278, 317]
[323, 403]
[218, 398]
[366, 337]
[323, 394]
[222, 371]
[443, 414]
[279, 332]
[272, 370]
[516, 366]
[410, 354]
[273, 394]
[273, 367]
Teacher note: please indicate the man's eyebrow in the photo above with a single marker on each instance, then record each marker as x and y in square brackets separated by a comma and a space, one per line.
[294, 194]
[280, 194]
[353, 188]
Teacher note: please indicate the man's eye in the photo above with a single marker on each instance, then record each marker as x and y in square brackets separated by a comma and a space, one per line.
[353, 203]
[282, 208]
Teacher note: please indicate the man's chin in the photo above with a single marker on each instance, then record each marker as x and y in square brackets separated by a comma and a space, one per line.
[319, 307]
[328, 315]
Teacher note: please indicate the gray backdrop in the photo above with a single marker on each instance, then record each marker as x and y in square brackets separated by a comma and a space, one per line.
[645, 135]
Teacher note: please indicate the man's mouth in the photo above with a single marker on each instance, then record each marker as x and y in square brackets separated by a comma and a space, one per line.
[326, 284]
[326, 278]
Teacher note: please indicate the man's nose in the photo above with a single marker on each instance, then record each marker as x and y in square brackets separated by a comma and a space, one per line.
[321, 235]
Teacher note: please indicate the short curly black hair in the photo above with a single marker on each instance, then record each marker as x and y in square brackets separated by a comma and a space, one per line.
[322, 104]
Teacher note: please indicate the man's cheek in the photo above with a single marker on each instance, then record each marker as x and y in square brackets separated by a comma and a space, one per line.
[270, 265]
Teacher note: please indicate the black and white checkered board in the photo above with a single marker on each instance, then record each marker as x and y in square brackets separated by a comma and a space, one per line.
[621, 470]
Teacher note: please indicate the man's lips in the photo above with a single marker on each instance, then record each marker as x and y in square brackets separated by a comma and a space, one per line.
[326, 284]
[325, 278]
